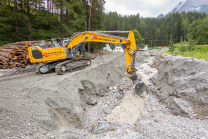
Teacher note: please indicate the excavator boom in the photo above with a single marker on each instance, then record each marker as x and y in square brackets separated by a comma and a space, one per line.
[96, 36]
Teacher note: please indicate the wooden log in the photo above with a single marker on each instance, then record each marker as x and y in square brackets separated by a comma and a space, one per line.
[20, 46]
[4, 59]
[17, 43]
[19, 53]
[6, 55]
[13, 65]
[10, 47]
[22, 65]
[5, 66]
[20, 50]
[8, 50]
[13, 51]
[18, 64]
[23, 55]
[13, 55]
[28, 43]
[16, 60]
[11, 61]
[25, 61]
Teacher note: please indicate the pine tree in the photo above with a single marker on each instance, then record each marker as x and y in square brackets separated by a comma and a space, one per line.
[182, 48]
[171, 46]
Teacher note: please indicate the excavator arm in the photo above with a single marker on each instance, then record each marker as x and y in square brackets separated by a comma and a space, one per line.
[102, 36]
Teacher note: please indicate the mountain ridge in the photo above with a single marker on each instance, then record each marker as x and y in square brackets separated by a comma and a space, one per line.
[190, 5]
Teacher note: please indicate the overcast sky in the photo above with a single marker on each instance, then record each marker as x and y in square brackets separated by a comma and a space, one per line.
[146, 8]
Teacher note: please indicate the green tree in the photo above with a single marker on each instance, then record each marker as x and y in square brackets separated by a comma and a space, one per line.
[198, 30]
[97, 14]
[139, 39]
[191, 45]
[207, 36]
[185, 26]
[182, 47]
[141, 27]
[112, 46]
[171, 46]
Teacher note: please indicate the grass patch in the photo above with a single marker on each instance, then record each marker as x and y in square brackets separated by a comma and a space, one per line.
[197, 54]
[105, 52]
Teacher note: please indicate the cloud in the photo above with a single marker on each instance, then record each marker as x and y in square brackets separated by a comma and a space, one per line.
[146, 8]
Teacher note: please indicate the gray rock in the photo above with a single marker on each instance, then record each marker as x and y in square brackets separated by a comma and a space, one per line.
[144, 117]
[117, 103]
[119, 96]
[120, 91]
[91, 101]
[106, 110]
[204, 100]
[102, 127]
[183, 107]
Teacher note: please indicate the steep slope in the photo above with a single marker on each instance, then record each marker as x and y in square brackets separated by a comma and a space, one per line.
[190, 5]
[194, 5]
[177, 7]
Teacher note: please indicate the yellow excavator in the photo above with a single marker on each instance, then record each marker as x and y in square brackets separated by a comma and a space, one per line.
[65, 55]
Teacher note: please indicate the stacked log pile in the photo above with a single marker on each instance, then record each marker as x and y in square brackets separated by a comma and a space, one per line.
[14, 55]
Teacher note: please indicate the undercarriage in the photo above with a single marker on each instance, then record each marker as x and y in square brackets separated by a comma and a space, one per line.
[63, 66]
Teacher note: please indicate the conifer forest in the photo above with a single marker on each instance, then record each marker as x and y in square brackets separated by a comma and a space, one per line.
[22, 20]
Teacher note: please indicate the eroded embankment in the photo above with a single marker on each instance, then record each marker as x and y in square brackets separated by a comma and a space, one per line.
[183, 85]
[38, 104]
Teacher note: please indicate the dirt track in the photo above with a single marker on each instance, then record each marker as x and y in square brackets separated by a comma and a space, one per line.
[51, 106]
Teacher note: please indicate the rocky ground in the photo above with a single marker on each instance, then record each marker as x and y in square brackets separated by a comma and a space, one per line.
[98, 102]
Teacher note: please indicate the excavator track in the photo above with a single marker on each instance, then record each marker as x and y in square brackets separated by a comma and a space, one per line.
[71, 65]
[45, 67]
[37, 69]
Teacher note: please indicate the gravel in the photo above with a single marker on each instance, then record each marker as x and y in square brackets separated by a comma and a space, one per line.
[20, 118]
